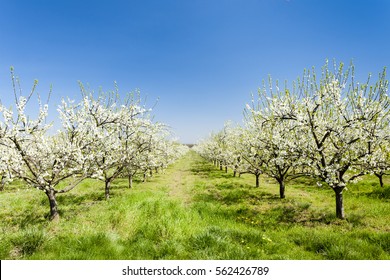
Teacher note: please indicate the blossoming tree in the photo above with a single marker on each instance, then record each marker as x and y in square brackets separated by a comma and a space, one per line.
[43, 160]
[276, 141]
[342, 124]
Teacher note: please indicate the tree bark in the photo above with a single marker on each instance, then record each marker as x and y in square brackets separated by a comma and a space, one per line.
[257, 180]
[107, 189]
[2, 183]
[282, 188]
[234, 173]
[226, 169]
[51, 195]
[220, 166]
[144, 177]
[339, 202]
[130, 181]
[380, 177]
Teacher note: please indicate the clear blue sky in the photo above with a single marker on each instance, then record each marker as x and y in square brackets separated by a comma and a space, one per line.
[201, 58]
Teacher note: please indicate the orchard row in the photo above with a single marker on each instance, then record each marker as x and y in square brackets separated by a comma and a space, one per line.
[331, 128]
[102, 137]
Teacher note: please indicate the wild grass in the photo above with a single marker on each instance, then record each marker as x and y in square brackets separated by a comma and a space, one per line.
[196, 211]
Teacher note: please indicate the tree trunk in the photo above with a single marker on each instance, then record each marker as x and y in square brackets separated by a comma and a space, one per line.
[144, 177]
[51, 195]
[107, 189]
[130, 181]
[380, 177]
[220, 166]
[257, 180]
[282, 188]
[226, 169]
[234, 173]
[339, 202]
[2, 183]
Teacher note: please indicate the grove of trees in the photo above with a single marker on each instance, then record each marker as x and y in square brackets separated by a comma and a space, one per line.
[331, 128]
[102, 136]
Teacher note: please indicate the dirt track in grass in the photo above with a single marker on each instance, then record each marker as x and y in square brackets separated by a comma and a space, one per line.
[182, 180]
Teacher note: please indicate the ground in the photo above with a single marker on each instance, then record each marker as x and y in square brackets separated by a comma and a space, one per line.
[195, 211]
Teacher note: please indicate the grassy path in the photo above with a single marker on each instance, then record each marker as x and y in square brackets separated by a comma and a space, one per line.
[180, 180]
[195, 211]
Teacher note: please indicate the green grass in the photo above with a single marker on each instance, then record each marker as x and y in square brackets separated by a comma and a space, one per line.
[196, 211]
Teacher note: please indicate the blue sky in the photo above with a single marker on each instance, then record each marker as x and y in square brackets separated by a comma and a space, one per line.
[201, 59]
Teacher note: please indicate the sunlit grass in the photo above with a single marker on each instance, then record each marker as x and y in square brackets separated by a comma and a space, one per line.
[196, 211]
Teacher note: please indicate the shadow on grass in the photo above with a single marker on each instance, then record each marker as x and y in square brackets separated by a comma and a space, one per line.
[208, 170]
[68, 204]
[380, 193]
[230, 192]
[27, 242]
[35, 218]
[257, 208]
[77, 199]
